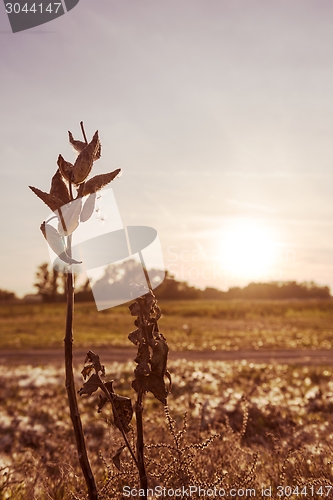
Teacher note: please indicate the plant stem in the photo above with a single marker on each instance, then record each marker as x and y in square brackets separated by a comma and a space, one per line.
[71, 392]
[140, 443]
[83, 132]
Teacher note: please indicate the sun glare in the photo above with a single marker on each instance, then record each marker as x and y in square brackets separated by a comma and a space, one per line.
[247, 250]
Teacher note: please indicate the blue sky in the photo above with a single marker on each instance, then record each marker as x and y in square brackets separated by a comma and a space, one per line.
[220, 114]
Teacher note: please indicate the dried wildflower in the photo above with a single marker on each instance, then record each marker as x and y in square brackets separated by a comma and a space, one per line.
[79, 146]
[70, 213]
[84, 161]
[69, 210]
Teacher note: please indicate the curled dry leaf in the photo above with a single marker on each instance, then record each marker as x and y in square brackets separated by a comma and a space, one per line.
[59, 188]
[143, 352]
[84, 161]
[134, 309]
[88, 208]
[152, 383]
[149, 301]
[94, 359]
[69, 217]
[160, 356]
[80, 145]
[56, 243]
[153, 349]
[77, 145]
[142, 370]
[122, 407]
[134, 336]
[124, 412]
[86, 371]
[157, 312]
[51, 201]
[102, 398]
[116, 457]
[91, 385]
[99, 181]
[66, 168]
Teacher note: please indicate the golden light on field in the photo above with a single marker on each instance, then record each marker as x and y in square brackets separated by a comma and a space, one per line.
[247, 250]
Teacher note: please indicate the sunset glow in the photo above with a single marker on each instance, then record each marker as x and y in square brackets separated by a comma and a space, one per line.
[247, 250]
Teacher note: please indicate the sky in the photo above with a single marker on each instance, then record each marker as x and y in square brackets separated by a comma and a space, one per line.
[219, 113]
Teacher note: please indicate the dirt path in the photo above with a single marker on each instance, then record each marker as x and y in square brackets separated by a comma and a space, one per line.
[122, 354]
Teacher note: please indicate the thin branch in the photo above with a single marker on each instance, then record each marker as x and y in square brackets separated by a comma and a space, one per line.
[83, 132]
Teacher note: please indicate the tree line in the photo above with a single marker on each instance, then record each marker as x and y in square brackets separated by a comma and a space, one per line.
[172, 289]
[50, 285]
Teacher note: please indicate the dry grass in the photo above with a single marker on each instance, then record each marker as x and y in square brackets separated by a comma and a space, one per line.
[247, 426]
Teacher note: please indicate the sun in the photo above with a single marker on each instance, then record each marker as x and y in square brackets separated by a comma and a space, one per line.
[247, 250]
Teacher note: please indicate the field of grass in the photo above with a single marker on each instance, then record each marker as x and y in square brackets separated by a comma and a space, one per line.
[229, 325]
[248, 426]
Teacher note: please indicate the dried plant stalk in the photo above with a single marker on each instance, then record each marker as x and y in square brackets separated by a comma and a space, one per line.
[140, 443]
[150, 374]
[69, 212]
[151, 370]
[71, 392]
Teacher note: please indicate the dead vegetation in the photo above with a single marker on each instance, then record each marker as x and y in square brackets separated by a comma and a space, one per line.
[246, 424]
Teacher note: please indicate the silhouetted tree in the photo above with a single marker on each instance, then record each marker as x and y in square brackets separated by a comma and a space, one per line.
[48, 282]
[6, 295]
[84, 294]
[171, 289]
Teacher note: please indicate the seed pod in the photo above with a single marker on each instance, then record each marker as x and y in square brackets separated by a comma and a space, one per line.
[69, 217]
[51, 201]
[99, 181]
[80, 145]
[84, 162]
[77, 145]
[66, 168]
[59, 188]
[53, 238]
[56, 243]
[88, 208]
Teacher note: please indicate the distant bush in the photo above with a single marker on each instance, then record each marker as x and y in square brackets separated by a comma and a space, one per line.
[171, 289]
[280, 290]
[6, 295]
